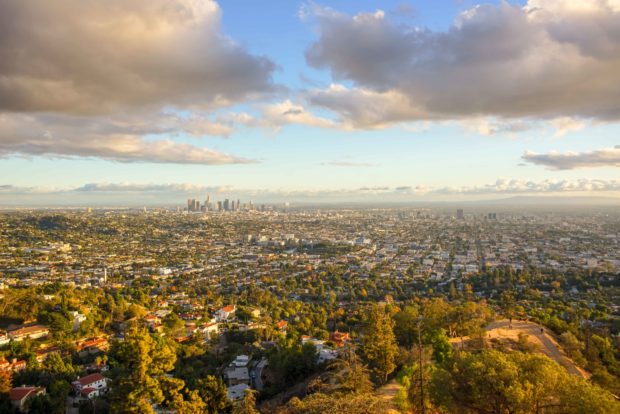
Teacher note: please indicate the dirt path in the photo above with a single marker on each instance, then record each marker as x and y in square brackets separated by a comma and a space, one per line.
[544, 341]
[388, 393]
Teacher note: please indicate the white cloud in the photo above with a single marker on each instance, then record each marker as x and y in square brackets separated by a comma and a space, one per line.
[564, 125]
[91, 79]
[65, 136]
[514, 186]
[88, 57]
[606, 157]
[365, 108]
[547, 60]
[176, 193]
[287, 112]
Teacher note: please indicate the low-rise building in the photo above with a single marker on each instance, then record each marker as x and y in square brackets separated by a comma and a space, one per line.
[20, 395]
[32, 332]
[91, 385]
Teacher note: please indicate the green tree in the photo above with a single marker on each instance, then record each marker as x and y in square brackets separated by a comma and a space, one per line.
[379, 343]
[213, 392]
[140, 363]
[499, 383]
[247, 405]
[442, 349]
[405, 326]
[350, 374]
[320, 403]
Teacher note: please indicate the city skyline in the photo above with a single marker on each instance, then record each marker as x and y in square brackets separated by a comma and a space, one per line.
[365, 101]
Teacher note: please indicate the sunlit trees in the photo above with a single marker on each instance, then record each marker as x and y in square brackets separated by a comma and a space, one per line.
[140, 364]
[379, 343]
[498, 383]
[213, 392]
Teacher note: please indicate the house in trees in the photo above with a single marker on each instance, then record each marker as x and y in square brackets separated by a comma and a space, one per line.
[20, 395]
[339, 338]
[225, 313]
[237, 371]
[14, 365]
[32, 332]
[91, 385]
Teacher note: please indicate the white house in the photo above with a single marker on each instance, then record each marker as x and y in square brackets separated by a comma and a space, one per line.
[225, 312]
[91, 385]
[4, 338]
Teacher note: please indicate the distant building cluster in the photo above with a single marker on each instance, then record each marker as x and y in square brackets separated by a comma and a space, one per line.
[194, 206]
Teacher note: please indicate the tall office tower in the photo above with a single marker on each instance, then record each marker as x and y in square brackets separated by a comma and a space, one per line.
[190, 204]
[219, 206]
[459, 214]
[226, 204]
[238, 205]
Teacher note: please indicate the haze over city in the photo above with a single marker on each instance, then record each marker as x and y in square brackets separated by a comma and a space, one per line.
[309, 207]
[153, 102]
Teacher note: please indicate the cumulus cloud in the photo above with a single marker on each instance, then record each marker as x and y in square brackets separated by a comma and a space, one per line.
[606, 157]
[89, 79]
[515, 186]
[87, 57]
[365, 108]
[63, 136]
[485, 126]
[287, 112]
[546, 60]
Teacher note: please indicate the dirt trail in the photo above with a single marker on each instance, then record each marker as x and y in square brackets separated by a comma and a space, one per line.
[388, 393]
[544, 341]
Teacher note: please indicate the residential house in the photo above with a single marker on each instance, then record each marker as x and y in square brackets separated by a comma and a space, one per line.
[92, 346]
[4, 338]
[91, 385]
[20, 395]
[237, 371]
[225, 313]
[32, 332]
[339, 338]
[14, 365]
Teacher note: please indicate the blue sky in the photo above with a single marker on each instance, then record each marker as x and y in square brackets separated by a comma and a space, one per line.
[299, 138]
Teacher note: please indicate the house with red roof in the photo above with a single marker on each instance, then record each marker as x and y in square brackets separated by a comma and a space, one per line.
[339, 338]
[225, 313]
[91, 385]
[20, 395]
[14, 365]
[92, 346]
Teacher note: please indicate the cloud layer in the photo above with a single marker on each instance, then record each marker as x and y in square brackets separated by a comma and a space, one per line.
[607, 157]
[119, 140]
[549, 59]
[91, 79]
[175, 193]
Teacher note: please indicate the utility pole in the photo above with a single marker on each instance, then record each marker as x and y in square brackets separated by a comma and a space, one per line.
[421, 368]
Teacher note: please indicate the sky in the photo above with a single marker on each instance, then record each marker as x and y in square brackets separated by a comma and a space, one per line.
[149, 102]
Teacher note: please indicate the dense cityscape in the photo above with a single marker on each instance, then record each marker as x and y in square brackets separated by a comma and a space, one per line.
[272, 301]
[310, 207]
